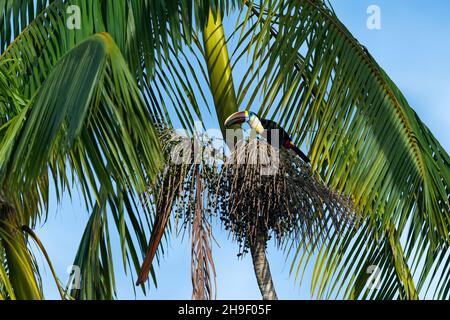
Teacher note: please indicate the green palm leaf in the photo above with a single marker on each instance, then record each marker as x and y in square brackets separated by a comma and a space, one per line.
[16, 15]
[150, 34]
[152, 58]
[313, 76]
[305, 70]
[97, 124]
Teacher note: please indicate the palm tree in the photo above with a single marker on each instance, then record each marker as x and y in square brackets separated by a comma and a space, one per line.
[85, 106]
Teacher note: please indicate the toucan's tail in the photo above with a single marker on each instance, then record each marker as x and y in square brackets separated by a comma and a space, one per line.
[300, 153]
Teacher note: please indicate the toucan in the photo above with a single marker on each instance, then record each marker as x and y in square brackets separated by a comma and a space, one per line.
[262, 125]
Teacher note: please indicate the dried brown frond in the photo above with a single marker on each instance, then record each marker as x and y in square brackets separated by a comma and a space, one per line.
[203, 269]
[186, 187]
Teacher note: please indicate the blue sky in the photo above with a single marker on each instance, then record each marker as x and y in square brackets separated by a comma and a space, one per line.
[413, 46]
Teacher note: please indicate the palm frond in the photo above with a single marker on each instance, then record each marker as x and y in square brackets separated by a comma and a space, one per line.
[97, 119]
[19, 274]
[160, 66]
[16, 15]
[96, 131]
[151, 35]
[312, 75]
[94, 260]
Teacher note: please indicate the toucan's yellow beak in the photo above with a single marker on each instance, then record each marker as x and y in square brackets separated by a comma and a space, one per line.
[237, 118]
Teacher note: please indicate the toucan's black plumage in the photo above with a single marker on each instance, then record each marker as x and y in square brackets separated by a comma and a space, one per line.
[261, 125]
[285, 139]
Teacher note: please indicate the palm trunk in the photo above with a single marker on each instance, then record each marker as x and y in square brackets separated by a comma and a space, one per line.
[222, 87]
[262, 268]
